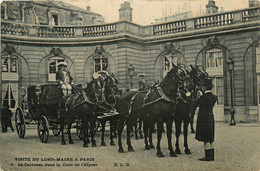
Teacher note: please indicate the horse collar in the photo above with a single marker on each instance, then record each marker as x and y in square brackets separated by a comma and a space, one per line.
[163, 95]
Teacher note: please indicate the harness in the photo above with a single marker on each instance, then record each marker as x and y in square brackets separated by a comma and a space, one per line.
[163, 96]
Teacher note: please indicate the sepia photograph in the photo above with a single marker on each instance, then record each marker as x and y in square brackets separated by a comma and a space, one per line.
[130, 85]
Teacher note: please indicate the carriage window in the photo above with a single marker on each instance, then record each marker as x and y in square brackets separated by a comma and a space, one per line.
[9, 64]
[167, 62]
[101, 63]
[214, 58]
[53, 67]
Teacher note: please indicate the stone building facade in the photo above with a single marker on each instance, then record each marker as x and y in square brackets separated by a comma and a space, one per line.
[30, 55]
[48, 12]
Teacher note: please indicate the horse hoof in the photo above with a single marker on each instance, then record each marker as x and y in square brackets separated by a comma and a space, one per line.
[103, 144]
[71, 142]
[173, 154]
[120, 150]
[193, 132]
[141, 137]
[147, 147]
[187, 151]
[177, 151]
[152, 146]
[159, 154]
[112, 143]
[63, 143]
[94, 144]
[130, 149]
[85, 145]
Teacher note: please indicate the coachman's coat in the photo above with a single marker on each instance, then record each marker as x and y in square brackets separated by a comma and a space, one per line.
[205, 128]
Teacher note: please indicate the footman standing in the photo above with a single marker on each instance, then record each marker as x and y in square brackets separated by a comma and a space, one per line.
[205, 128]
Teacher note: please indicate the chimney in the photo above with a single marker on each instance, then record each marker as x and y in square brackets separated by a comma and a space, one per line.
[125, 12]
[88, 8]
[211, 8]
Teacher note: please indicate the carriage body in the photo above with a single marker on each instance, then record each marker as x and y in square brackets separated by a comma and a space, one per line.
[41, 108]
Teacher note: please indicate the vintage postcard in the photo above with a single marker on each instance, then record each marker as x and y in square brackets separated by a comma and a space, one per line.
[130, 85]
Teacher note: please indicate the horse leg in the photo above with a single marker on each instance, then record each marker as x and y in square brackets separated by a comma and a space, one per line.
[85, 132]
[185, 129]
[145, 127]
[112, 127]
[193, 109]
[128, 131]
[103, 124]
[136, 130]
[62, 134]
[140, 129]
[92, 125]
[150, 131]
[69, 134]
[159, 137]
[120, 130]
[177, 134]
[169, 137]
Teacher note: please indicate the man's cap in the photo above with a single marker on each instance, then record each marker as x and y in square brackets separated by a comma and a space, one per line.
[141, 75]
[62, 64]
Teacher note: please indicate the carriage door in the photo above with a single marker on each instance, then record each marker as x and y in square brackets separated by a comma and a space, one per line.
[214, 67]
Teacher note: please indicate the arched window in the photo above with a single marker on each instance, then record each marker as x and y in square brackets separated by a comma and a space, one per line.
[9, 64]
[100, 63]
[214, 61]
[53, 67]
[168, 60]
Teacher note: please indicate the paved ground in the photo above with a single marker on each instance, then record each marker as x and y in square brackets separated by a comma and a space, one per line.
[237, 148]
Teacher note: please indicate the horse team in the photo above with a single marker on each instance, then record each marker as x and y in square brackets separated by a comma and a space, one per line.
[171, 100]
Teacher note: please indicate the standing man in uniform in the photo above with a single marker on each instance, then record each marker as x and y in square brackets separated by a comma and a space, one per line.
[205, 129]
[64, 78]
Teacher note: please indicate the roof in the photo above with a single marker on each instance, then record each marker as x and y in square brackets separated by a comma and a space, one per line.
[60, 4]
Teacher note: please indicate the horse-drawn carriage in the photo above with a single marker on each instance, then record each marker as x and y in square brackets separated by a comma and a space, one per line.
[40, 108]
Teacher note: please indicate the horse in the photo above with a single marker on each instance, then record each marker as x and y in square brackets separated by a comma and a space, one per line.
[184, 107]
[198, 77]
[111, 93]
[157, 105]
[81, 105]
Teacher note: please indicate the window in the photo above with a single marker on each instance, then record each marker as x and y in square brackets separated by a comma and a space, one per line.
[9, 64]
[55, 20]
[101, 63]
[53, 67]
[10, 94]
[167, 62]
[214, 62]
[214, 58]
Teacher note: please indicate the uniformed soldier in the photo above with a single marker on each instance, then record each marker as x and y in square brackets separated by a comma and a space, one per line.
[64, 78]
[142, 82]
[205, 128]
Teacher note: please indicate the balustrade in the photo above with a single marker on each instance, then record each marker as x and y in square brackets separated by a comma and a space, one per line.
[14, 29]
[214, 20]
[251, 14]
[167, 28]
[101, 30]
[60, 32]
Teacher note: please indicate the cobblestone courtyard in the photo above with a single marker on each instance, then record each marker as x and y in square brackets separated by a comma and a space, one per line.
[237, 148]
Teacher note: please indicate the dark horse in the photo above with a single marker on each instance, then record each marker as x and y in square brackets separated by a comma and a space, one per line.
[157, 105]
[111, 93]
[81, 105]
[184, 107]
[198, 77]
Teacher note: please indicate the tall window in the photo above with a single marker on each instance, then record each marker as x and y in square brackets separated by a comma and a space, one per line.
[10, 94]
[214, 62]
[9, 64]
[168, 60]
[53, 67]
[101, 63]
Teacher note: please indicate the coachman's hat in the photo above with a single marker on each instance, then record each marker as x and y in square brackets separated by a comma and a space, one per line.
[208, 84]
[62, 64]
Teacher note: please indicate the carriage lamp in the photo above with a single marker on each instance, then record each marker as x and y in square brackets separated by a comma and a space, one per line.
[131, 70]
[230, 65]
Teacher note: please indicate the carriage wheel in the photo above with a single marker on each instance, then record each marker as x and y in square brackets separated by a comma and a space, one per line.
[79, 130]
[56, 131]
[43, 129]
[20, 122]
